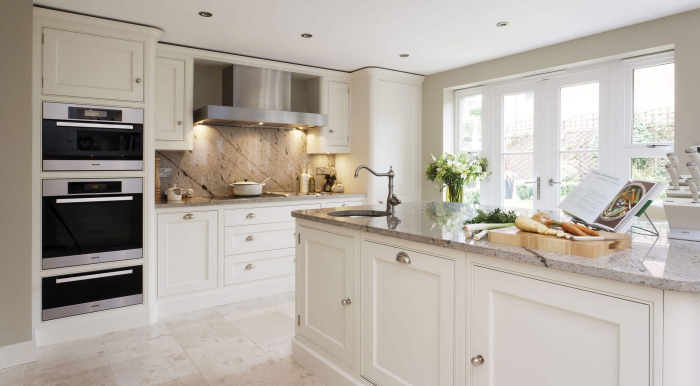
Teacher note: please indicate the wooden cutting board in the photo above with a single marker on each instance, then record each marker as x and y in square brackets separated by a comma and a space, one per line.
[515, 237]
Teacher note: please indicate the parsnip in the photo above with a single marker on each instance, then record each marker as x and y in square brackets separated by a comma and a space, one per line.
[529, 225]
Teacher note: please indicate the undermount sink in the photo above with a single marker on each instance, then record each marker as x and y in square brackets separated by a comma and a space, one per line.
[358, 213]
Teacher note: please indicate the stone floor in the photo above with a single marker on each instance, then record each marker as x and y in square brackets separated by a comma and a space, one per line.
[246, 343]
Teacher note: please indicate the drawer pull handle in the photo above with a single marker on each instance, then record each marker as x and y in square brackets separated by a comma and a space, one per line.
[477, 361]
[250, 266]
[402, 257]
[188, 216]
[138, 80]
[250, 238]
[94, 276]
[345, 302]
[344, 205]
[250, 215]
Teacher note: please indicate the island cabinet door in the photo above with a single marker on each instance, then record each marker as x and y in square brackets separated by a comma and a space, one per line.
[529, 332]
[408, 311]
[326, 265]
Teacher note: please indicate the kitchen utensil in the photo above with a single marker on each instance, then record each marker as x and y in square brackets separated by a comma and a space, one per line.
[247, 188]
[592, 238]
[173, 193]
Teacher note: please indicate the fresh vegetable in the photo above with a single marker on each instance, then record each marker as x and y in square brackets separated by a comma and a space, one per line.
[570, 227]
[471, 228]
[544, 219]
[497, 216]
[529, 225]
[587, 230]
[481, 235]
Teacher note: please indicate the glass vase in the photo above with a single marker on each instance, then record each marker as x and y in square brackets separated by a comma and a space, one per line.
[455, 193]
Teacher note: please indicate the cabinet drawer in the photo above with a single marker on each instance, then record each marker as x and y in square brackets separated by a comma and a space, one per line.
[260, 265]
[258, 238]
[82, 293]
[341, 204]
[266, 215]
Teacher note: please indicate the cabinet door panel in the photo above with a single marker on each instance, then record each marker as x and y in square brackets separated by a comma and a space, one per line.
[338, 114]
[83, 65]
[408, 317]
[532, 332]
[170, 99]
[327, 263]
[187, 250]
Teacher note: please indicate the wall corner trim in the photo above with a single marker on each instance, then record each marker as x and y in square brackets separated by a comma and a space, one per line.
[17, 354]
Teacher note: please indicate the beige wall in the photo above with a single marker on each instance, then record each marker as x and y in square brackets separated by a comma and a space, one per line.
[681, 30]
[16, 171]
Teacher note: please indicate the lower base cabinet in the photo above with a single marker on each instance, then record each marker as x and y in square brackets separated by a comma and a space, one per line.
[326, 309]
[531, 332]
[187, 252]
[408, 318]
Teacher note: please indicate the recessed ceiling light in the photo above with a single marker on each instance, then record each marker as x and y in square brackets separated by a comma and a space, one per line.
[502, 24]
[404, 55]
[306, 36]
[205, 14]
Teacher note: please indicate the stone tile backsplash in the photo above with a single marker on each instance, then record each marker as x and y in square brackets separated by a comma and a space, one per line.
[222, 155]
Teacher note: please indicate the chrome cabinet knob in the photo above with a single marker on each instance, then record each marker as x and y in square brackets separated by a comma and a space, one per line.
[250, 266]
[188, 216]
[345, 302]
[138, 80]
[250, 238]
[477, 361]
[250, 215]
[179, 123]
[402, 257]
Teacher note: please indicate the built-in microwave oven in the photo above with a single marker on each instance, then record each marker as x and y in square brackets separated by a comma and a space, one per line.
[87, 221]
[83, 137]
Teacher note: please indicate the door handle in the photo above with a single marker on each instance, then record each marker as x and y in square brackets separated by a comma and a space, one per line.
[250, 238]
[657, 145]
[345, 302]
[188, 216]
[250, 266]
[402, 257]
[551, 182]
[250, 215]
[537, 183]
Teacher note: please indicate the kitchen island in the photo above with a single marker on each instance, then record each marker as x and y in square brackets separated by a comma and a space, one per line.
[407, 299]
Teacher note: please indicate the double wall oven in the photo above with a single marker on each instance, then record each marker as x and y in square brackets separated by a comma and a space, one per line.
[82, 137]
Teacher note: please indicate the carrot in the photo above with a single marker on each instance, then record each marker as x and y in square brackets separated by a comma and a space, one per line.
[587, 230]
[572, 228]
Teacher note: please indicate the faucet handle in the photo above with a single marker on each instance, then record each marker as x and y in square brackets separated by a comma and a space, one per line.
[394, 200]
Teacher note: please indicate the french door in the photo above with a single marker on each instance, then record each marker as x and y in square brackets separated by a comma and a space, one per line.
[547, 137]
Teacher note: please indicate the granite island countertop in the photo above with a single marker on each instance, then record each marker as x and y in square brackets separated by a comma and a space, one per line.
[652, 261]
[265, 197]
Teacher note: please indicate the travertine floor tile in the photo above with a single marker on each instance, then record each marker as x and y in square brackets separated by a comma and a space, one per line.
[102, 377]
[64, 353]
[38, 374]
[243, 308]
[163, 346]
[154, 368]
[284, 303]
[220, 362]
[177, 321]
[299, 373]
[278, 348]
[204, 333]
[139, 334]
[12, 376]
[265, 327]
[268, 373]
[190, 380]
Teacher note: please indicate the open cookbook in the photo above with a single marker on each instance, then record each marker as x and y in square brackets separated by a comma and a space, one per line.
[609, 202]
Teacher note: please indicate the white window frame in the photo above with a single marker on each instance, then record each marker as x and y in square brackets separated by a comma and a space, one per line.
[628, 67]
[459, 94]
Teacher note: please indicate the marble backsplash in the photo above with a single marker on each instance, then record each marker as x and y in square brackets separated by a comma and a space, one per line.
[222, 155]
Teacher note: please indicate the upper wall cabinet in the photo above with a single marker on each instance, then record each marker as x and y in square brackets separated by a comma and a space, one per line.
[173, 105]
[91, 66]
[332, 98]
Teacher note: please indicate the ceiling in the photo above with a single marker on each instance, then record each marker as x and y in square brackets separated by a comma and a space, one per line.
[348, 35]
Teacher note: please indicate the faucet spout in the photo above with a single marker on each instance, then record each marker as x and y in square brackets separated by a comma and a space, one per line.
[391, 199]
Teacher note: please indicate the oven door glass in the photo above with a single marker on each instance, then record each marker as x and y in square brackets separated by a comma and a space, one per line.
[82, 141]
[91, 229]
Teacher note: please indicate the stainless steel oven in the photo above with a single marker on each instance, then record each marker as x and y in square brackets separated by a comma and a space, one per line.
[82, 137]
[87, 221]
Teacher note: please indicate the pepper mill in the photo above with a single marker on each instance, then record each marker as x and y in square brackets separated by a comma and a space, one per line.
[158, 194]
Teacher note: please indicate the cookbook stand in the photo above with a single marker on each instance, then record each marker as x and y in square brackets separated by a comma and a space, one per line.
[640, 231]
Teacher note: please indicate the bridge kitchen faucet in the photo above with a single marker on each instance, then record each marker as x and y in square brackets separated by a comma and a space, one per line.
[391, 199]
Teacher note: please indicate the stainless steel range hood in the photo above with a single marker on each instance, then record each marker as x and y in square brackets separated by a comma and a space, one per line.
[257, 97]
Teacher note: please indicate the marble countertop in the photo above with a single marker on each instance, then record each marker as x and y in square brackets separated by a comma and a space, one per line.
[652, 261]
[265, 197]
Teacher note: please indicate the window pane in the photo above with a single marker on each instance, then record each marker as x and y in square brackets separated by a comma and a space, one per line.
[518, 169]
[575, 166]
[518, 122]
[651, 168]
[579, 117]
[653, 104]
[470, 123]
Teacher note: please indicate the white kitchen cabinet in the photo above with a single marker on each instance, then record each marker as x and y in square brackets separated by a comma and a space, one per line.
[92, 66]
[343, 203]
[332, 98]
[326, 307]
[408, 318]
[173, 107]
[187, 252]
[533, 332]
